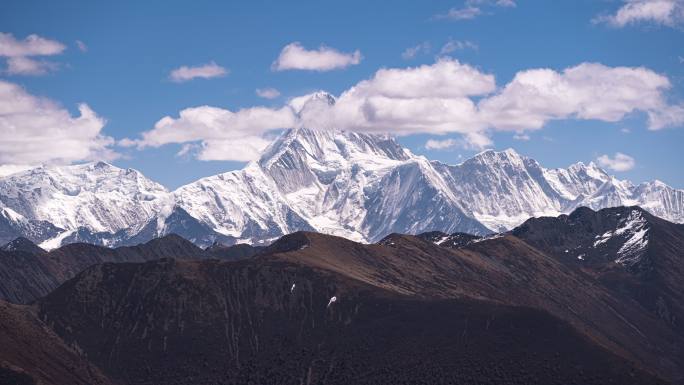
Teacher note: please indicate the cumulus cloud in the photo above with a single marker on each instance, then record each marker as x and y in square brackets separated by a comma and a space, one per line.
[446, 97]
[206, 71]
[218, 134]
[433, 144]
[586, 91]
[412, 52]
[267, 93]
[32, 45]
[295, 57]
[619, 162]
[664, 12]
[19, 53]
[35, 130]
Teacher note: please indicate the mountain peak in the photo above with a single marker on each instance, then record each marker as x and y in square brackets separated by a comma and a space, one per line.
[496, 158]
[332, 146]
[305, 102]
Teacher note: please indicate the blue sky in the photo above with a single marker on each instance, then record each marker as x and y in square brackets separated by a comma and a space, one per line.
[131, 49]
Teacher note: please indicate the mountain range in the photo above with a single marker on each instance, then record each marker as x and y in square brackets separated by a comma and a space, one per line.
[592, 297]
[358, 186]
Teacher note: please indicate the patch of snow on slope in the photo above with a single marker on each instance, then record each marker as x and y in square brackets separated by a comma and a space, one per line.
[55, 242]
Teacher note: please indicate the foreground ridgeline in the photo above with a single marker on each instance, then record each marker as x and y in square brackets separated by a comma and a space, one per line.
[358, 186]
[593, 297]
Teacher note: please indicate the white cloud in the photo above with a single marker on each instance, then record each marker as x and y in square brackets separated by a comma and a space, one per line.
[220, 134]
[456, 45]
[19, 53]
[445, 97]
[664, 12]
[433, 144]
[81, 46]
[267, 93]
[447, 78]
[295, 57]
[35, 130]
[412, 52]
[21, 65]
[32, 45]
[206, 71]
[619, 162]
[586, 91]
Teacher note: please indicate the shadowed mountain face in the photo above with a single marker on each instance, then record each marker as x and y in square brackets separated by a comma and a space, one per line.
[629, 250]
[272, 321]
[31, 353]
[28, 272]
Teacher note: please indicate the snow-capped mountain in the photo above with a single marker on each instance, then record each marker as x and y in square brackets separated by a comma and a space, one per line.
[359, 186]
[93, 197]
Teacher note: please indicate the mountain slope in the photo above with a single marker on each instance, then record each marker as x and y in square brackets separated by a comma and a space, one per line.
[273, 320]
[28, 273]
[631, 251]
[31, 353]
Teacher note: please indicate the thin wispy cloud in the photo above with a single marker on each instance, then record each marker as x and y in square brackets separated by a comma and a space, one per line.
[412, 52]
[206, 71]
[457, 45]
[465, 13]
[267, 93]
[81, 46]
[295, 57]
[20, 54]
[619, 162]
[660, 12]
[472, 9]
